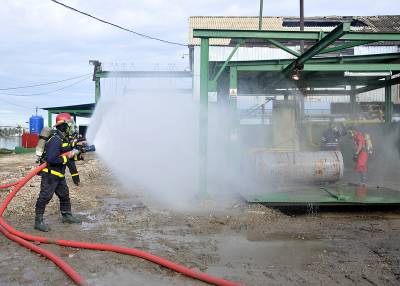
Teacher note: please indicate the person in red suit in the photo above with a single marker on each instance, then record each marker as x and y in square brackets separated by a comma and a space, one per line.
[360, 154]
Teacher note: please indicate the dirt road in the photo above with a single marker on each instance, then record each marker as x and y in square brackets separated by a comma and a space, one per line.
[251, 244]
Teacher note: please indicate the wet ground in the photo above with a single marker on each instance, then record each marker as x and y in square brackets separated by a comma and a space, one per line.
[248, 243]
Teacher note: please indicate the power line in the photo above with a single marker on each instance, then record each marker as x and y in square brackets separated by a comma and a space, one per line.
[17, 105]
[46, 92]
[119, 27]
[46, 83]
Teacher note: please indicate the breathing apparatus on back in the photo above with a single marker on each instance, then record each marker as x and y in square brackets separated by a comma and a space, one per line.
[66, 125]
[368, 142]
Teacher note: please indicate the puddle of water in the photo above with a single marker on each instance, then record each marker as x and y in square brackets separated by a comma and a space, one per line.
[89, 221]
[128, 278]
[294, 253]
[241, 257]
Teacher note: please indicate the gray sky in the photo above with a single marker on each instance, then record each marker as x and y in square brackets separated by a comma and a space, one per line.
[43, 42]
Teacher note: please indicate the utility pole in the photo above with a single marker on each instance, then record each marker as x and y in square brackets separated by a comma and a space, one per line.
[261, 15]
[301, 24]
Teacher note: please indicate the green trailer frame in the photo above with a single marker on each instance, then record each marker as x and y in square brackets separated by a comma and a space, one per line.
[312, 60]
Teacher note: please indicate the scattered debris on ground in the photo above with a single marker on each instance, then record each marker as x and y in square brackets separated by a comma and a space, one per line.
[252, 244]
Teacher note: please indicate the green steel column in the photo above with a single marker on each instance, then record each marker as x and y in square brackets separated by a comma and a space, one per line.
[203, 122]
[49, 119]
[233, 84]
[97, 90]
[232, 148]
[388, 102]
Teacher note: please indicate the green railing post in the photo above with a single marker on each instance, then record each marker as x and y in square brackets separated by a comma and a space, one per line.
[388, 102]
[49, 119]
[203, 120]
[97, 90]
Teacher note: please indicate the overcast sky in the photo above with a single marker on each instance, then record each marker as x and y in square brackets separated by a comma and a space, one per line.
[42, 41]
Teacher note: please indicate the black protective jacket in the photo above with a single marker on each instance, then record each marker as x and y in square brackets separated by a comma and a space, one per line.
[57, 145]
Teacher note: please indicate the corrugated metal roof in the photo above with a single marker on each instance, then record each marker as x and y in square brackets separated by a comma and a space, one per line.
[389, 23]
[230, 23]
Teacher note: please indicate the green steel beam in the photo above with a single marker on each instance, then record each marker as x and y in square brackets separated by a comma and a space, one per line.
[371, 36]
[344, 46]
[309, 92]
[283, 47]
[291, 35]
[353, 67]
[330, 38]
[254, 34]
[227, 61]
[203, 120]
[388, 102]
[143, 74]
[325, 67]
[341, 59]
[378, 84]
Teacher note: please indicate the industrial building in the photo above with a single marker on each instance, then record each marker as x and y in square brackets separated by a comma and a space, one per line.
[268, 50]
[345, 66]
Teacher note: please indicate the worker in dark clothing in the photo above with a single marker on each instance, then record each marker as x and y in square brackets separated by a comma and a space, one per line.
[330, 138]
[57, 153]
[360, 154]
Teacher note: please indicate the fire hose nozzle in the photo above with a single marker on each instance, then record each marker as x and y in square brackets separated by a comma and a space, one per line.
[85, 149]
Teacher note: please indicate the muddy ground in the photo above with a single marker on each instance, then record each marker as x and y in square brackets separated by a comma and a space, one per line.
[247, 243]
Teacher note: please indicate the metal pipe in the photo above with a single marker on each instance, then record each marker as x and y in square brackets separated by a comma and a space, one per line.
[261, 15]
[307, 167]
[301, 24]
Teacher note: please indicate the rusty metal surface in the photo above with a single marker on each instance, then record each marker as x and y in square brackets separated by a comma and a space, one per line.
[322, 166]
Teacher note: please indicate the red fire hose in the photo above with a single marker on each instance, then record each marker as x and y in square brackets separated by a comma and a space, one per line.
[8, 185]
[23, 238]
[57, 260]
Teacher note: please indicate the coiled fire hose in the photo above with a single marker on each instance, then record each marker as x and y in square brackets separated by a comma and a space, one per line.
[24, 238]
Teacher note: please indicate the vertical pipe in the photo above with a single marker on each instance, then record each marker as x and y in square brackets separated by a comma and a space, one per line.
[97, 90]
[388, 102]
[203, 120]
[261, 15]
[262, 114]
[353, 102]
[301, 24]
[49, 118]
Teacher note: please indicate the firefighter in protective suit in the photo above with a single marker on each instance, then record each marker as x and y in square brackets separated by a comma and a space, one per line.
[330, 138]
[360, 154]
[53, 176]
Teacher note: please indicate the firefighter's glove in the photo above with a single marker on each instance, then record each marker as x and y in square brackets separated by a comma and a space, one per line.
[76, 180]
[355, 157]
[73, 153]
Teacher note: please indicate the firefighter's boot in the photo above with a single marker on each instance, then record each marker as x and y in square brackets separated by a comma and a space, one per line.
[40, 225]
[67, 217]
